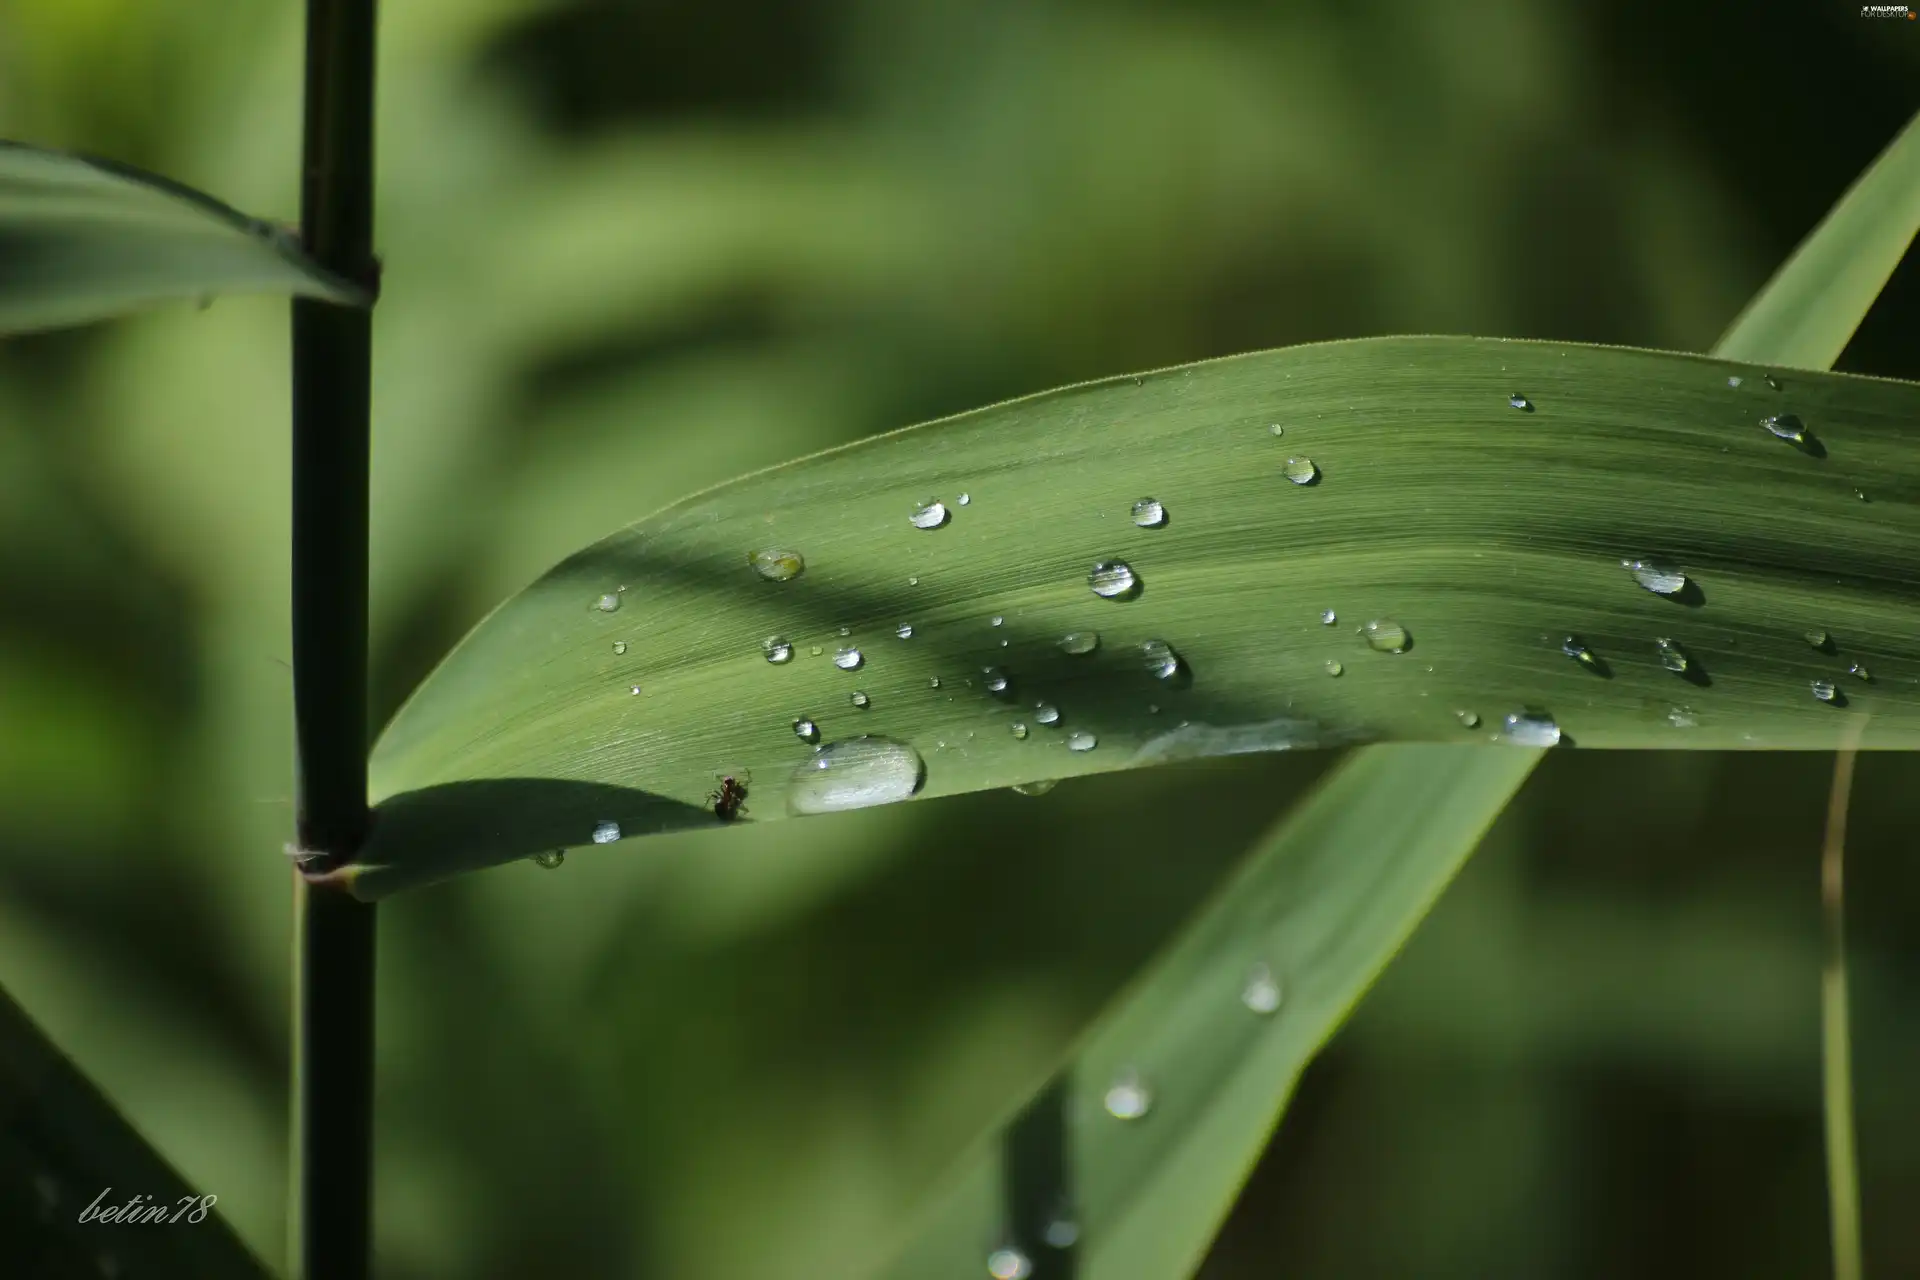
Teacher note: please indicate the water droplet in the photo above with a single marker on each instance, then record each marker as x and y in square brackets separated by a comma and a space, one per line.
[996, 621]
[776, 564]
[1471, 719]
[1081, 740]
[1300, 470]
[964, 499]
[634, 691]
[1681, 717]
[1733, 379]
[1262, 991]
[904, 631]
[1787, 426]
[1532, 728]
[619, 646]
[1080, 642]
[1656, 576]
[1820, 640]
[1062, 1232]
[1384, 635]
[1038, 787]
[855, 774]
[1520, 402]
[1008, 1264]
[606, 833]
[1046, 713]
[1672, 656]
[930, 514]
[996, 679]
[1861, 672]
[1773, 382]
[934, 683]
[913, 582]
[1149, 514]
[1328, 617]
[1019, 729]
[1333, 667]
[860, 700]
[1576, 648]
[607, 603]
[554, 857]
[1128, 1097]
[1160, 659]
[1113, 579]
[848, 658]
[1275, 429]
[1824, 690]
[1862, 495]
[846, 631]
[806, 730]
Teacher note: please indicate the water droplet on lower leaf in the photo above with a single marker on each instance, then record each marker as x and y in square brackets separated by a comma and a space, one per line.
[1161, 661]
[854, 774]
[1328, 617]
[1275, 429]
[777, 649]
[996, 679]
[1520, 402]
[1386, 636]
[1262, 990]
[1820, 640]
[1112, 579]
[1576, 648]
[1825, 691]
[608, 602]
[848, 658]
[1080, 642]
[964, 499]
[860, 700]
[1333, 667]
[1672, 656]
[1038, 787]
[1081, 740]
[1128, 1097]
[1471, 719]
[904, 631]
[1733, 379]
[930, 514]
[1008, 1264]
[1149, 514]
[1859, 670]
[776, 564]
[806, 730]
[1046, 713]
[619, 646]
[1532, 728]
[1019, 729]
[606, 833]
[1656, 576]
[552, 858]
[1787, 426]
[1300, 470]
[1062, 1232]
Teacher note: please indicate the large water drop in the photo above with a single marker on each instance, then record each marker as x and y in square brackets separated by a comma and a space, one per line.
[1112, 579]
[1386, 636]
[1080, 643]
[776, 564]
[855, 774]
[1149, 514]
[930, 514]
[1532, 728]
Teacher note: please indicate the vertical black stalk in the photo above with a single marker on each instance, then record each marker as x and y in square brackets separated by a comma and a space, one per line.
[333, 1031]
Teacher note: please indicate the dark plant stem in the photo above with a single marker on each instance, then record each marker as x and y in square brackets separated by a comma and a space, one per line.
[333, 1033]
[1836, 1058]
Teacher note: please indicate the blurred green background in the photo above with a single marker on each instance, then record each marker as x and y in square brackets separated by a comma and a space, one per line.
[635, 247]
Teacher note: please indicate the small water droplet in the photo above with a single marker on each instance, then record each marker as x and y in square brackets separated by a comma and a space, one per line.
[1149, 514]
[860, 700]
[1080, 643]
[776, 564]
[607, 603]
[848, 658]
[930, 514]
[554, 857]
[934, 683]
[1384, 635]
[1081, 740]
[1681, 717]
[1576, 648]
[1038, 787]
[1787, 426]
[1333, 667]
[996, 621]
[1112, 580]
[1019, 729]
[634, 691]
[1733, 379]
[1275, 429]
[904, 631]
[606, 833]
[1820, 640]
[1532, 728]
[1008, 1264]
[1262, 990]
[1046, 713]
[1773, 382]
[806, 730]
[1520, 402]
[1062, 1232]
[1161, 660]
[964, 499]
[1128, 1097]
[1825, 692]
[1471, 719]
[619, 646]
[1328, 617]
[913, 582]
[1300, 470]
[1860, 671]
[996, 679]
[855, 774]
[816, 651]
[1656, 576]
[1672, 656]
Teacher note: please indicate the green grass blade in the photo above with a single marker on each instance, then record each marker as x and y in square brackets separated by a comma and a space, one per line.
[62, 1145]
[1808, 311]
[1322, 904]
[82, 240]
[1491, 533]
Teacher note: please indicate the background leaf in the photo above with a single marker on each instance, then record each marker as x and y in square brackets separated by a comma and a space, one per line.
[82, 240]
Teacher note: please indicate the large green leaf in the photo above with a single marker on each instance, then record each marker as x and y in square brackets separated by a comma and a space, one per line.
[83, 240]
[1491, 533]
[64, 1150]
[1215, 1035]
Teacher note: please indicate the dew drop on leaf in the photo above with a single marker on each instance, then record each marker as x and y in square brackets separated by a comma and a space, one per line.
[1262, 990]
[1149, 514]
[855, 774]
[1532, 728]
[619, 646]
[1046, 713]
[860, 700]
[1160, 659]
[930, 514]
[550, 859]
[607, 603]
[1080, 643]
[1038, 787]
[1384, 635]
[1471, 719]
[1300, 470]
[1672, 656]
[1081, 740]
[806, 730]
[1656, 576]
[848, 658]
[1520, 402]
[1328, 617]
[777, 649]
[1112, 579]
[606, 833]
[1008, 1264]
[1128, 1097]
[1787, 426]
[1019, 729]
[1333, 667]
[1825, 691]
[777, 564]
